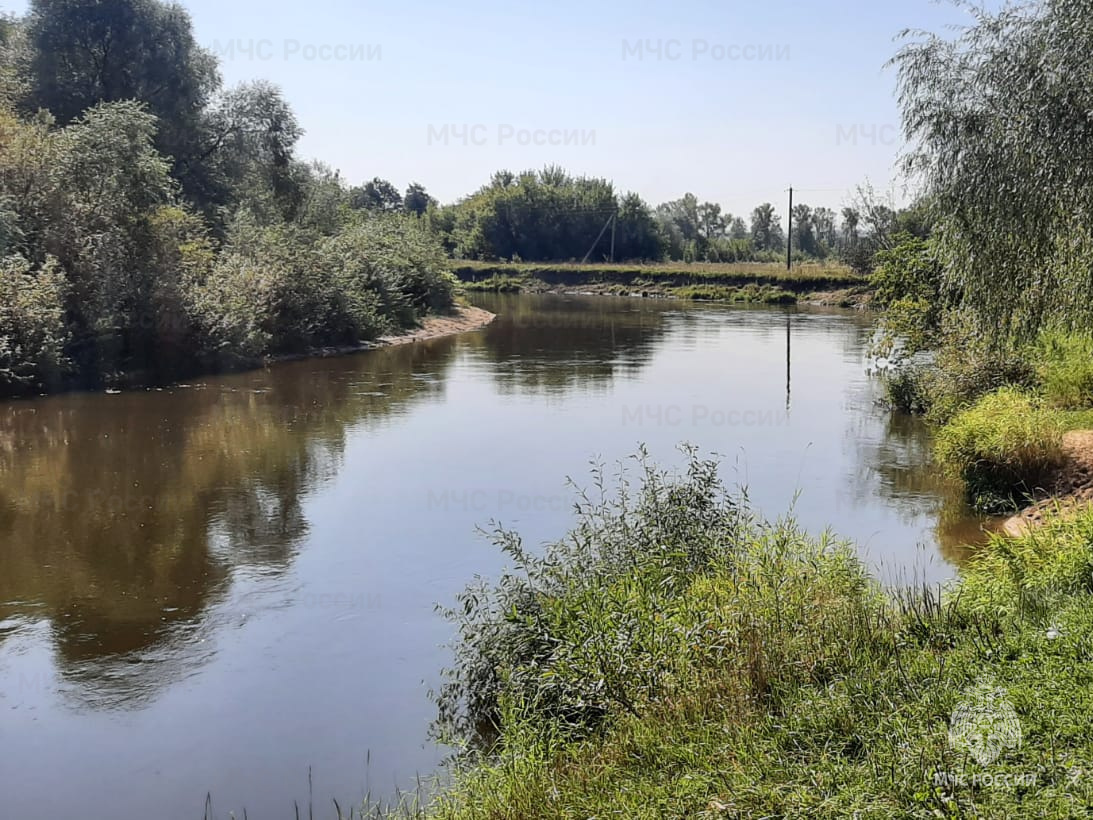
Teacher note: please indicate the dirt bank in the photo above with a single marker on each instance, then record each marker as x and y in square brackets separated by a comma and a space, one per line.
[463, 319]
[1070, 489]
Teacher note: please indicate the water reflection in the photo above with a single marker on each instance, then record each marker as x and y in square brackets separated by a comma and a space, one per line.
[126, 517]
[236, 578]
[898, 468]
[551, 345]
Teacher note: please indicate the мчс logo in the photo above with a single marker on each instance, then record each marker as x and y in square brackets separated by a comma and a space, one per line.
[984, 724]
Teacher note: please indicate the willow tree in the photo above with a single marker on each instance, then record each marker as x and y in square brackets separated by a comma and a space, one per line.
[1000, 117]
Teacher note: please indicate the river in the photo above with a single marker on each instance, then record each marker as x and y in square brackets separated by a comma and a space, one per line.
[217, 587]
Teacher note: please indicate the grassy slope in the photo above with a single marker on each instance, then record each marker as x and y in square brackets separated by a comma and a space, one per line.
[802, 279]
[802, 690]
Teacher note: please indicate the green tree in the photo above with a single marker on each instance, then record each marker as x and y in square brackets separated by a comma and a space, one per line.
[416, 200]
[766, 229]
[247, 140]
[376, 195]
[84, 53]
[999, 115]
[804, 237]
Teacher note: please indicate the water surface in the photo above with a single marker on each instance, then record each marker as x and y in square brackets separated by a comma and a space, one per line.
[214, 587]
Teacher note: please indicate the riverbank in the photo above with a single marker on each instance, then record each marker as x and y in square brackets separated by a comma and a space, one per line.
[829, 285]
[1069, 488]
[687, 659]
[461, 319]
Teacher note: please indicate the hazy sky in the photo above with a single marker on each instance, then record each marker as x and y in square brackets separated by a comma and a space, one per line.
[731, 100]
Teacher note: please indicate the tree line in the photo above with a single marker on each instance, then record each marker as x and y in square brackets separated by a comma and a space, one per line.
[155, 222]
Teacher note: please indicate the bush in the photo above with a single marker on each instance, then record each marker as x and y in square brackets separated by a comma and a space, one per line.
[1065, 370]
[580, 630]
[410, 257]
[1001, 447]
[33, 333]
[965, 367]
[1034, 571]
[906, 284]
[908, 387]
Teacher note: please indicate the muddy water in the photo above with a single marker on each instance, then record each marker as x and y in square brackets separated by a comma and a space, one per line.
[215, 587]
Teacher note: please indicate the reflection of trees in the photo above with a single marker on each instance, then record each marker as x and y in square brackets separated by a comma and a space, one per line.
[552, 344]
[123, 518]
[898, 467]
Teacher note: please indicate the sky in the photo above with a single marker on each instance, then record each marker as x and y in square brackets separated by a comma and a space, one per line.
[733, 101]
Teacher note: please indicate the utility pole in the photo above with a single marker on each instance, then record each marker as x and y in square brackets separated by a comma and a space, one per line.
[789, 232]
[610, 221]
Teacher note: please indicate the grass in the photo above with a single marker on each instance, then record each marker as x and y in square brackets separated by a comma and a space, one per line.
[1065, 369]
[676, 656]
[1001, 446]
[764, 294]
[804, 277]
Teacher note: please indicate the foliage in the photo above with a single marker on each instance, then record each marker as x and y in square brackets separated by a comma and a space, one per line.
[999, 118]
[286, 289]
[555, 634]
[966, 366]
[1065, 369]
[33, 332]
[765, 294]
[906, 285]
[785, 683]
[1001, 447]
[83, 54]
[174, 221]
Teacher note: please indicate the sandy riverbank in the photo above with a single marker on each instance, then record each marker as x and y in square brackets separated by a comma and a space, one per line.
[461, 320]
[1070, 488]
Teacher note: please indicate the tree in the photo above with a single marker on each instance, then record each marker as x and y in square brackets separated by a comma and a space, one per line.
[12, 49]
[851, 220]
[803, 236]
[417, 200]
[823, 223]
[247, 141]
[999, 116]
[766, 228]
[84, 53]
[738, 231]
[711, 223]
[377, 195]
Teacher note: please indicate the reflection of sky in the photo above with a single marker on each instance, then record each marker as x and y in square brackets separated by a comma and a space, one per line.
[332, 503]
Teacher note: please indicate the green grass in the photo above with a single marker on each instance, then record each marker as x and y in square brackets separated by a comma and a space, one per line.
[765, 294]
[678, 657]
[1065, 369]
[497, 283]
[803, 277]
[1001, 446]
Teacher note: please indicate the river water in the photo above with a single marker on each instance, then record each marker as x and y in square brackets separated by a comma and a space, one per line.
[217, 587]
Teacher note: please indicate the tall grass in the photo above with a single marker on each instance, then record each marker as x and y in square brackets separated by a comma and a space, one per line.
[677, 656]
[1002, 447]
[1065, 369]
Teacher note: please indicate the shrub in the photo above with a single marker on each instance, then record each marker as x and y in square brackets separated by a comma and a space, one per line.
[965, 367]
[409, 256]
[1065, 369]
[908, 387]
[33, 333]
[1001, 447]
[906, 284]
[1034, 571]
[581, 629]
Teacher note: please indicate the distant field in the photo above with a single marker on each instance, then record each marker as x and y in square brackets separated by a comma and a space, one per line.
[803, 277]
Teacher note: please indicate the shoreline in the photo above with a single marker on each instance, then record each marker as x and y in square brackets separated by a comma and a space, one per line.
[462, 319]
[853, 298]
[1071, 488]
